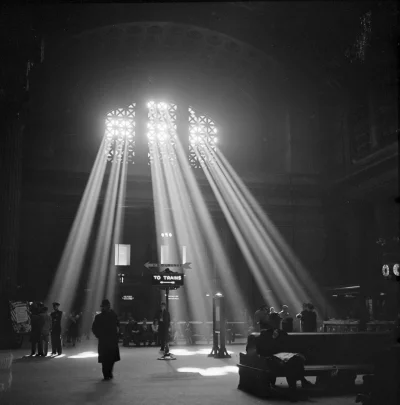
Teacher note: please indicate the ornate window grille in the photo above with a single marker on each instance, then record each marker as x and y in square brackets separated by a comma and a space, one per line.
[202, 139]
[120, 135]
[161, 131]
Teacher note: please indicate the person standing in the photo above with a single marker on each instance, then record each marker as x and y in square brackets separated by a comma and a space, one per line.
[287, 320]
[163, 325]
[105, 327]
[45, 332]
[36, 329]
[56, 317]
[261, 318]
[308, 318]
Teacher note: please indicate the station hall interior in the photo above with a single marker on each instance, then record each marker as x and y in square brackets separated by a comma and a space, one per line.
[249, 147]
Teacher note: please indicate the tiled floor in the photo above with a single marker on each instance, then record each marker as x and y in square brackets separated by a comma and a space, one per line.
[75, 378]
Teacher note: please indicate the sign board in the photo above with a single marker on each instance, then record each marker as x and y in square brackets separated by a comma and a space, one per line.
[179, 265]
[167, 279]
[127, 297]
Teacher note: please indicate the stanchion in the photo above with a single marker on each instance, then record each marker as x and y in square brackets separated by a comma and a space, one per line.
[167, 354]
[219, 328]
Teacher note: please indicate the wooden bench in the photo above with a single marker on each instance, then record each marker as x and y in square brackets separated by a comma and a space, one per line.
[335, 359]
[259, 379]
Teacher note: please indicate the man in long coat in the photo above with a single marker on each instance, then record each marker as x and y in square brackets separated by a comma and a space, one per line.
[163, 324]
[105, 328]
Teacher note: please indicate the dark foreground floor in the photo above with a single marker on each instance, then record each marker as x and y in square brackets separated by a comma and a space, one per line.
[139, 378]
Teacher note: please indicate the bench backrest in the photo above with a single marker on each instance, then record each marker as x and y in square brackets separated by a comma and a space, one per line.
[328, 348]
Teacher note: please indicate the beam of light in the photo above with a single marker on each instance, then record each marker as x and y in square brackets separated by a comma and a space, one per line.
[184, 225]
[211, 371]
[118, 229]
[103, 246]
[185, 228]
[290, 267]
[242, 242]
[262, 239]
[65, 283]
[211, 257]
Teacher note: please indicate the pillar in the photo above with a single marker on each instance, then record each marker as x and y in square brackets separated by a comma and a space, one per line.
[11, 129]
[288, 143]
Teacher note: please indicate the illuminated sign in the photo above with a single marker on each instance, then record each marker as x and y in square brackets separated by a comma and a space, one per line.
[127, 297]
[168, 279]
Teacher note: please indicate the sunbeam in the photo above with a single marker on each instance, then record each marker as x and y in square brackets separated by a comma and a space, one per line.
[69, 270]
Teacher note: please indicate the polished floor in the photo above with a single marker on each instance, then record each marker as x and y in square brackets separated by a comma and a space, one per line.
[139, 378]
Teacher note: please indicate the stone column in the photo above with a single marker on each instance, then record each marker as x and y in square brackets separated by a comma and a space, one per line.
[11, 129]
[288, 142]
[373, 137]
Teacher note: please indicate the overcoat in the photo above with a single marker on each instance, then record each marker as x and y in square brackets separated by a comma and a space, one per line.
[105, 328]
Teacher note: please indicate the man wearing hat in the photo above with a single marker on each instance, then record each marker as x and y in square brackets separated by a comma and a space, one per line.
[56, 316]
[105, 328]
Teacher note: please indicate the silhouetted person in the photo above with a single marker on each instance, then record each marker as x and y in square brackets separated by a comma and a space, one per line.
[45, 331]
[154, 328]
[73, 328]
[308, 318]
[274, 319]
[261, 318]
[105, 328]
[163, 325]
[56, 317]
[287, 320]
[36, 329]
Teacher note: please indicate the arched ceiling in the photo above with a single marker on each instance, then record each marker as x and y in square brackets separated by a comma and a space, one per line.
[208, 64]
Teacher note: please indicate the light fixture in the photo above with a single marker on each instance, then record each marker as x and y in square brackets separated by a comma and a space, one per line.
[170, 235]
[218, 294]
[396, 270]
[385, 270]
[162, 235]
[207, 295]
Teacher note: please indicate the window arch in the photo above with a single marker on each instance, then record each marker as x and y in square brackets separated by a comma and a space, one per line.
[120, 135]
[202, 138]
[161, 131]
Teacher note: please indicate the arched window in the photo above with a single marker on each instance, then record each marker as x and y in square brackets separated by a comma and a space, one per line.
[202, 138]
[120, 135]
[161, 131]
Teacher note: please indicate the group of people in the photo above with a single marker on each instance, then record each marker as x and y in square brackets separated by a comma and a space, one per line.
[266, 318]
[140, 333]
[148, 333]
[45, 327]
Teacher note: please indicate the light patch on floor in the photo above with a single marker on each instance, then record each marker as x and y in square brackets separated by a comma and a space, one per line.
[185, 352]
[83, 355]
[211, 371]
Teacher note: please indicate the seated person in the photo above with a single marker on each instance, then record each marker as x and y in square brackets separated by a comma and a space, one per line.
[136, 333]
[146, 334]
[271, 345]
[229, 333]
[154, 329]
[127, 336]
[173, 332]
[131, 333]
[189, 333]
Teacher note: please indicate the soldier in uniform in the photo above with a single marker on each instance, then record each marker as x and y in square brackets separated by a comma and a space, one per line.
[56, 316]
[105, 327]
